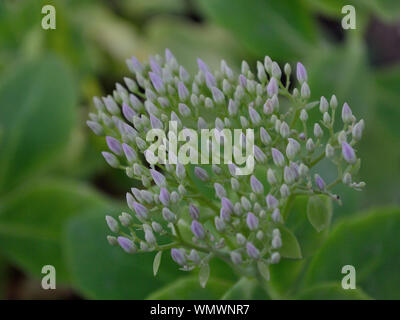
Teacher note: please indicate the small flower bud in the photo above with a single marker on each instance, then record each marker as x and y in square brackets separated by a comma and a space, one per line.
[303, 115]
[158, 178]
[201, 174]
[112, 224]
[197, 229]
[272, 87]
[271, 177]
[305, 91]
[178, 256]
[284, 190]
[318, 131]
[358, 130]
[278, 157]
[271, 201]
[126, 244]
[347, 115]
[275, 257]
[111, 159]
[323, 105]
[236, 257]
[276, 215]
[333, 103]
[252, 251]
[329, 151]
[301, 73]
[256, 185]
[319, 182]
[168, 215]
[112, 240]
[164, 196]
[240, 239]
[347, 178]
[348, 153]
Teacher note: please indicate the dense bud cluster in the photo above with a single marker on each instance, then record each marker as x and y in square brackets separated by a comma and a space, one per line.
[242, 223]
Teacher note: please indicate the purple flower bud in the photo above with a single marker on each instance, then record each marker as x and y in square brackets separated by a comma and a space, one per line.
[272, 87]
[202, 65]
[155, 122]
[219, 224]
[254, 116]
[301, 72]
[178, 256]
[180, 171]
[348, 153]
[158, 84]
[305, 91]
[232, 107]
[347, 115]
[252, 251]
[194, 211]
[218, 95]
[128, 112]
[111, 159]
[225, 214]
[232, 169]
[95, 127]
[219, 190]
[141, 210]
[112, 224]
[126, 244]
[265, 137]
[319, 182]
[114, 145]
[201, 173]
[111, 105]
[243, 81]
[130, 154]
[259, 155]
[227, 204]
[271, 201]
[197, 229]
[276, 215]
[137, 66]
[252, 221]
[184, 109]
[164, 196]
[183, 92]
[168, 215]
[278, 157]
[155, 67]
[168, 55]
[210, 80]
[256, 185]
[289, 175]
[236, 257]
[158, 178]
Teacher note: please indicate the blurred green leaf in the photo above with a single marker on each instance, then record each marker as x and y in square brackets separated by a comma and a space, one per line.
[319, 212]
[342, 71]
[101, 271]
[140, 8]
[188, 288]
[245, 289]
[285, 275]
[388, 98]
[331, 291]
[189, 41]
[282, 29]
[32, 220]
[369, 244]
[37, 114]
[204, 274]
[309, 238]
[290, 246]
[389, 10]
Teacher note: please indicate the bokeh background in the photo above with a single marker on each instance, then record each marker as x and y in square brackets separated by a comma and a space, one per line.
[55, 188]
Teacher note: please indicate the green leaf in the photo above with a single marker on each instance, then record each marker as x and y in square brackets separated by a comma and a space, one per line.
[369, 243]
[204, 274]
[245, 289]
[319, 212]
[290, 246]
[36, 116]
[389, 10]
[101, 271]
[156, 262]
[188, 288]
[282, 29]
[32, 220]
[331, 291]
[309, 238]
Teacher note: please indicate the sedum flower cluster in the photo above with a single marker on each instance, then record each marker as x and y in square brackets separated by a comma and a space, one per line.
[242, 222]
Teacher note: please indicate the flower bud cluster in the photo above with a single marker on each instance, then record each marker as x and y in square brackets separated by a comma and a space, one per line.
[241, 224]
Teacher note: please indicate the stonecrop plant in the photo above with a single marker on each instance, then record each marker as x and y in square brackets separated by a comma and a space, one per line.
[243, 223]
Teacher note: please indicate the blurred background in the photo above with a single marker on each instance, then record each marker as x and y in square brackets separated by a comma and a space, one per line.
[55, 188]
